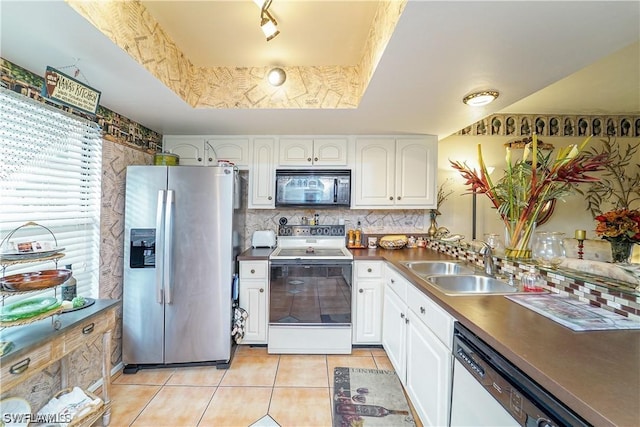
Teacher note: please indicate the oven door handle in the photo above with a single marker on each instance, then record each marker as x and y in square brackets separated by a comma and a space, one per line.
[310, 262]
[335, 190]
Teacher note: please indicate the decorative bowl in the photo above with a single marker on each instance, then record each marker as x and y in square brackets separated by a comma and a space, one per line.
[392, 244]
[35, 280]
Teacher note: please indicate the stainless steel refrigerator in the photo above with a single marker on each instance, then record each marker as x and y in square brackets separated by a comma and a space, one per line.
[182, 236]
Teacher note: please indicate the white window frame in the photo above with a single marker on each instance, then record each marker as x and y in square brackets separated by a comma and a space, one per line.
[50, 174]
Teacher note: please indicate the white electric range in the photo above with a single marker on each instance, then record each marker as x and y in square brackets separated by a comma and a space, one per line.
[310, 291]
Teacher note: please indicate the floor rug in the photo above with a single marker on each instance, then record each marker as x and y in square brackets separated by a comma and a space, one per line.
[369, 398]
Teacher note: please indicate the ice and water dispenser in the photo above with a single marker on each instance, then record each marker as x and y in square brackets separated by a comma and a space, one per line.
[142, 253]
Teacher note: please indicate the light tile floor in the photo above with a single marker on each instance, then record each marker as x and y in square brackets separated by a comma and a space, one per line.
[293, 390]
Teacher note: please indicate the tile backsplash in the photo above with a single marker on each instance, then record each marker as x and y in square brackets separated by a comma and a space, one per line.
[409, 221]
[599, 291]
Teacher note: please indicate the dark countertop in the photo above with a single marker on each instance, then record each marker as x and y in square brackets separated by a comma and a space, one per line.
[255, 254]
[596, 373]
[26, 337]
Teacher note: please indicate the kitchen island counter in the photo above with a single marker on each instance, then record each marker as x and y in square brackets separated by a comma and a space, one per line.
[597, 373]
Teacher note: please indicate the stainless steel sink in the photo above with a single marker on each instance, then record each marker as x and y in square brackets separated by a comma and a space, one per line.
[429, 268]
[470, 285]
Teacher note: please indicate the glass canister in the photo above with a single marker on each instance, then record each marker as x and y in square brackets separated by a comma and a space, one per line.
[495, 241]
[532, 281]
[548, 248]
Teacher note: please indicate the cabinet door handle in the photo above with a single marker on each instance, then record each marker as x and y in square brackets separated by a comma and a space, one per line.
[88, 329]
[399, 197]
[406, 320]
[308, 159]
[315, 159]
[253, 271]
[390, 197]
[20, 367]
[199, 159]
[402, 315]
[422, 310]
[393, 281]
[361, 291]
[269, 198]
[210, 159]
[369, 270]
[261, 290]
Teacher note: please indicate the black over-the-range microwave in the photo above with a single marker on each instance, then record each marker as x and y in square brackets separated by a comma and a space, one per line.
[313, 188]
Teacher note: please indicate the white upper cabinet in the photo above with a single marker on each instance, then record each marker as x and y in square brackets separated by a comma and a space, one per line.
[416, 172]
[262, 176]
[374, 172]
[396, 172]
[232, 149]
[388, 172]
[190, 149]
[207, 150]
[326, 152]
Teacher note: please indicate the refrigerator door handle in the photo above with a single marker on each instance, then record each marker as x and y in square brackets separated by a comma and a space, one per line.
[160, 245]
[168, 247]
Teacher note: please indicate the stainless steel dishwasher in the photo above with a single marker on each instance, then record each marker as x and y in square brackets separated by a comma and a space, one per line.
[488, 390]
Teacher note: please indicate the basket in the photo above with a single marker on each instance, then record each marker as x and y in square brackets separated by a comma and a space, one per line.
[88, 418]
[392, 244]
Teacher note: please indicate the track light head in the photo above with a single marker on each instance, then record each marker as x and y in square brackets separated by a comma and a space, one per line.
[267, 22]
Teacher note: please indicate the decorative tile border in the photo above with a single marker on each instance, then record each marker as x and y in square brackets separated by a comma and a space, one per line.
[598, 291]
[620, 126]
[115, 127]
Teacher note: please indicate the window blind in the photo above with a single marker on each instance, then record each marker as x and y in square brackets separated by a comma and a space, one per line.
[50, 173]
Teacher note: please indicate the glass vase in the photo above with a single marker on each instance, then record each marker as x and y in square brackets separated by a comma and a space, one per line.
[621, 250]
[495, 241]
[548, 249]
[518, 241]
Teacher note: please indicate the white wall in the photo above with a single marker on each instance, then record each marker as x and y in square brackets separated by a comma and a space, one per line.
[569, 215]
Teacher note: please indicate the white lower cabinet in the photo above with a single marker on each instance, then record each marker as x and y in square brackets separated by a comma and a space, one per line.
[417, 336]
[428, 373]
[254, 298]
[367, 300]
[394, 332]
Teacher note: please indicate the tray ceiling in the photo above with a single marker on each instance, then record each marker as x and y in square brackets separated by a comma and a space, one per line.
[583, 60]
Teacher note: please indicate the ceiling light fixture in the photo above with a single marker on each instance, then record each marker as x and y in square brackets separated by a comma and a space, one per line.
[478, 99]
[267, 22]
[276, 76]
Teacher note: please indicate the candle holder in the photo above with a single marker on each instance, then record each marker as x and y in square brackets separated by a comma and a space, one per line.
[580, 248]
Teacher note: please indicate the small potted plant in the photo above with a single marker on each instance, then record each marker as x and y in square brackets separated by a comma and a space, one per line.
[619, 190]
